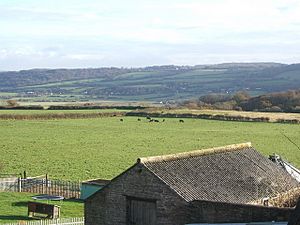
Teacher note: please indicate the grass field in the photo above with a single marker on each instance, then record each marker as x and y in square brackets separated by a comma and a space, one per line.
[13, 207]
[103, 147]
[80, 149]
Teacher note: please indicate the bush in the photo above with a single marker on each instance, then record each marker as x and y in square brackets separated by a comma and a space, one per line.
[12, 103]
[31, 107]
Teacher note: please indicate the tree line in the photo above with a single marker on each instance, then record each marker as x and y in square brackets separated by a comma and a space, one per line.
[275, 102]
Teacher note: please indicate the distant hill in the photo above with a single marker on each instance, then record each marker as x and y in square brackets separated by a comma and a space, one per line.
[156, 83]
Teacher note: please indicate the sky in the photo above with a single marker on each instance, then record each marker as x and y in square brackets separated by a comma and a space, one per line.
[136, 33]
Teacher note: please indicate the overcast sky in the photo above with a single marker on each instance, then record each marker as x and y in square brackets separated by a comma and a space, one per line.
[131, 33]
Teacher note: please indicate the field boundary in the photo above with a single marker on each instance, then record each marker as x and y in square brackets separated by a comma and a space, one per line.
[211, 117]
[53, 116]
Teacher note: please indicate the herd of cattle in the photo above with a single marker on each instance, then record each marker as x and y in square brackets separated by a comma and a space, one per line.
[153, 120]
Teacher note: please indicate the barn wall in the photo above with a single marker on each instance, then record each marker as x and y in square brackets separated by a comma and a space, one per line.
[295, 217]
[108, 207]
[214, 212]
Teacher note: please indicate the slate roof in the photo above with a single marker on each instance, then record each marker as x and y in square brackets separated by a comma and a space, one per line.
[234, 174]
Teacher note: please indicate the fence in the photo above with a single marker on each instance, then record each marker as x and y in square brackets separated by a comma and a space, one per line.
[41, 185]
[9, 184]
[63, 221]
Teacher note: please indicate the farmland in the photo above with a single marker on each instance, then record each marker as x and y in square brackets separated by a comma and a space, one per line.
[81, 149]
[160, 83]
[103, 147]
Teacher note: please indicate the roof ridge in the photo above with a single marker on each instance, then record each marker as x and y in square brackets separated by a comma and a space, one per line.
[195, 153]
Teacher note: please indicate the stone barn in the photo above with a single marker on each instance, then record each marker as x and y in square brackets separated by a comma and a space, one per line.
[215, 185]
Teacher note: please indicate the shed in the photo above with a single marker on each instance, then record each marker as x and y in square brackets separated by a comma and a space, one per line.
[89, 187]
[216, 185]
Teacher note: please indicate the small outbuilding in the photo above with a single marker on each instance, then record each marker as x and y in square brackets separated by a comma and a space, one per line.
[89, 187]
[217, 185]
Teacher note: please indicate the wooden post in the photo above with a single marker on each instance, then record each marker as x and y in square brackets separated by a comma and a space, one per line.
[20, 184]
[47, 189]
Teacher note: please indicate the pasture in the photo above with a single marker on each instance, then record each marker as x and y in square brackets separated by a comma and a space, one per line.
[81, 149]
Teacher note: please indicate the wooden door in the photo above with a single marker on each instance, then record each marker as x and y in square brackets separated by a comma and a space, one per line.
[141, 212]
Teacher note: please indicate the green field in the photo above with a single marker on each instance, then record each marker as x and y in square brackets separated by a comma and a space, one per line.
[13, 207]
[82, 149]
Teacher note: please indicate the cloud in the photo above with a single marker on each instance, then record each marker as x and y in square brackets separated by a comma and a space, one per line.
[147, 31]
[85, 56]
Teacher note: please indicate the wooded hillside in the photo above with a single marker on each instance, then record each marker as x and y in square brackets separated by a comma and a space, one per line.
[157, 83]
[274, 102]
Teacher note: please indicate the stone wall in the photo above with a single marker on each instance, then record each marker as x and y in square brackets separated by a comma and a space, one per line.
[295, 217]
[217, 212]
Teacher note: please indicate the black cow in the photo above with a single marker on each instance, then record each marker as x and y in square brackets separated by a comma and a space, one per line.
[181, 121]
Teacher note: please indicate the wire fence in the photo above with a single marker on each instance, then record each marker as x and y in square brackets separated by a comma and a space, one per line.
[41, 185]
[9, 184]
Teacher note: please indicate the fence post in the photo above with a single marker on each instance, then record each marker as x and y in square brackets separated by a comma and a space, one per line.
[19, 184]
[46, 179]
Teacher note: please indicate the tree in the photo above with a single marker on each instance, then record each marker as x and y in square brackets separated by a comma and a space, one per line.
[12, 103]
[241, 96]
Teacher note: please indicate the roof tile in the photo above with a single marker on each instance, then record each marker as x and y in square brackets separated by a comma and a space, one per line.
[235, 173]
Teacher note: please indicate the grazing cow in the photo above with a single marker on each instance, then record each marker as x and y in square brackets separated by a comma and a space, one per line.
[151, 120]
[181, 121]
[121, 120]
[157, 121]
[148, 118]
[139, 119]
[163, 120]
